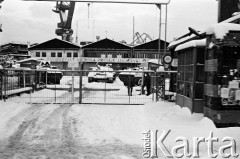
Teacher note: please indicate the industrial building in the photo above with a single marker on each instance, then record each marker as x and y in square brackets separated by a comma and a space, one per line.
[105, 51]
[16, 51]
[58, 52]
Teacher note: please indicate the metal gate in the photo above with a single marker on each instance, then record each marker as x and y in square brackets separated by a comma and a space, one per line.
[105, 87]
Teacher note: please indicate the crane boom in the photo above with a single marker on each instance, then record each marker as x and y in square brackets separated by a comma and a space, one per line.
[65, 11]
[139, 38]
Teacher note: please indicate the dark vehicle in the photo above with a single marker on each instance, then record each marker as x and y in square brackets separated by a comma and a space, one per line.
[54, 75]
[137, 76]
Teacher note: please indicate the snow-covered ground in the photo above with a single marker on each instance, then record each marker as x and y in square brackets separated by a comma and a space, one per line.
[98, 131]
[92, 131]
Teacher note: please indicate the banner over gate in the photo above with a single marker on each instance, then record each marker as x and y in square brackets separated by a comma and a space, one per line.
[115, 1]
[105, 60]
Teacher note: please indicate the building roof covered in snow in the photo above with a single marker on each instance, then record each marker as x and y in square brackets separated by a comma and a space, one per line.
[221, 29]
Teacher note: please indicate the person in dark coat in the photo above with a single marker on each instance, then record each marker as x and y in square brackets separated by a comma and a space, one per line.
[130, 83]
[147, 83]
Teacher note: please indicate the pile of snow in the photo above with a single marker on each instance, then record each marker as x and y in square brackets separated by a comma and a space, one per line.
[126, 123]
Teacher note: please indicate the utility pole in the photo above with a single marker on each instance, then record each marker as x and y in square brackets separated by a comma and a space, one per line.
[160, 28]
[77, 34]
[0, 23]
[133, 35]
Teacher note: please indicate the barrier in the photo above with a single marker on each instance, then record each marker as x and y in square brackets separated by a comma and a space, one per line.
[106, 87]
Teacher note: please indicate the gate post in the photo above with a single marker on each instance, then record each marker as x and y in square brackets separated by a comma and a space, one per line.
[72, 91]
[24, 79]
[80, 86]
[156, 86]
[160, 86]
[5, 84]
[105, 86]
[1, 84]
[55, 92]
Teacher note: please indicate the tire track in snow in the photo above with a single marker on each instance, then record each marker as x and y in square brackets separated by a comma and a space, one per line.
[60, 126]
[14, 140]
[22, 121]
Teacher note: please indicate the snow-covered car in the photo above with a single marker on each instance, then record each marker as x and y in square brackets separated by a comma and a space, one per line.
[98, 74]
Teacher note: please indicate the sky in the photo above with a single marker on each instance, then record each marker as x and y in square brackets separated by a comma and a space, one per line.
[35, 22]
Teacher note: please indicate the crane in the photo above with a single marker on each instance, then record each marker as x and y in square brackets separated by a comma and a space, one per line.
[65, 10]
[140, 39]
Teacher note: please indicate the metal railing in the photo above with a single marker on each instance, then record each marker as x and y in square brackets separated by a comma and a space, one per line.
[93, 87]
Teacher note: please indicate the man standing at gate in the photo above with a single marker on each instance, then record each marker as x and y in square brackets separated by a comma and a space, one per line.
[130, 84]
[147, 84]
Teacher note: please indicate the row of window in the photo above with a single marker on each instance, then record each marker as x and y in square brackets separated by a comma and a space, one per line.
[153, 56]
[58, 54]
[123, 55]
[75, 54]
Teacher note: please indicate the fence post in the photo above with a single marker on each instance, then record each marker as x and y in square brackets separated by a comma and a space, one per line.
[129, 89]
[163, 87]
[1, 82]
[152, 87]
[80, 87]
[142, 91]
[105, 91]
[46, 82]
[24, 79]
[5, 85]
[72, 91]
[31, 89]
[156, 86]
[55, 97]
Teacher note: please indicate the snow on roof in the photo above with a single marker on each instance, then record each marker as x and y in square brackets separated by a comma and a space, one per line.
[193, 43]
[29, 59]
[175, 42]
[221, 29]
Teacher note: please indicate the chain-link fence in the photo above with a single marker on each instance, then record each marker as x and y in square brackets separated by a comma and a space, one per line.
[96, 87]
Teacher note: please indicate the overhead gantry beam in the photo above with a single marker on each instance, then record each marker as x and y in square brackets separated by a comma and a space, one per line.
[114, 1]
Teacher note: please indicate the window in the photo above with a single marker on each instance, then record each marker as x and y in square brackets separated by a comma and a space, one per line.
[119, 55]
[125, 55]
[69, 54]
[44, 54]
[53, 54]
[59, 54]
[109, 55]
[37, 54]
[75, 54]
[103, 56]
